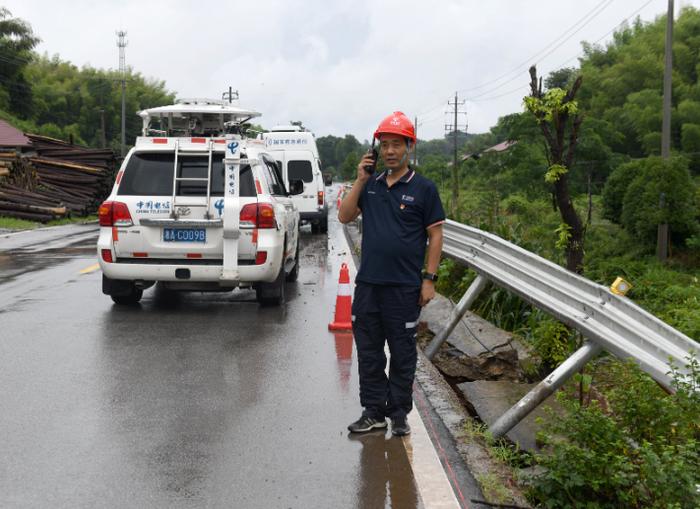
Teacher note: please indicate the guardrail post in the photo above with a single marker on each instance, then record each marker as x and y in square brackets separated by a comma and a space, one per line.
[545, 388]
[457, 313]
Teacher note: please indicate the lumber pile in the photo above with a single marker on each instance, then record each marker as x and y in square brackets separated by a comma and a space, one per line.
[57, 179]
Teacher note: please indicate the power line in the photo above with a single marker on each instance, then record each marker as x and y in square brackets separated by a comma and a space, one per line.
[433, 108]
[587, 18]
[608, 32]
[517, 76]
[519, 89]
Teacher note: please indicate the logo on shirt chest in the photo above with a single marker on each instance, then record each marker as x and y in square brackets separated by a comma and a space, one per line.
[406, 201]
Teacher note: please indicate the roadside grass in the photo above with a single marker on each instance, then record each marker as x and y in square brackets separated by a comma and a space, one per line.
[11, 223]
[507, 456]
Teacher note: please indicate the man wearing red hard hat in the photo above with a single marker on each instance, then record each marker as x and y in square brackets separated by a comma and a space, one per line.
[401, 212]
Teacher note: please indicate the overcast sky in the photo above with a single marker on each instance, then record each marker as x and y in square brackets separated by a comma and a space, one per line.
[339, 66]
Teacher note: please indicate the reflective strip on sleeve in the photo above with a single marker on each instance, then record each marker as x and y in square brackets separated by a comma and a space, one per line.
[353, 318]
[410, 325]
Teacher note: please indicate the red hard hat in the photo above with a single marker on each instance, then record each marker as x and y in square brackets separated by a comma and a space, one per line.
[396, 123]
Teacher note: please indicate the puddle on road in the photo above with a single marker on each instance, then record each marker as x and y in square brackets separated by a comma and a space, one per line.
[15, 262]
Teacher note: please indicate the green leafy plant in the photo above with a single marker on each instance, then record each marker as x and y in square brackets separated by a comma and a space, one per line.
[641, 449]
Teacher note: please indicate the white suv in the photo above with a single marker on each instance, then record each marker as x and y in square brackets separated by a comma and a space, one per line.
[200, 214]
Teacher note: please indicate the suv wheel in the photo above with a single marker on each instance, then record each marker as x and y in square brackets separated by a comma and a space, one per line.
[294, 273]
[323, 225]
[316, 227]
[130, 299]
[271, 294]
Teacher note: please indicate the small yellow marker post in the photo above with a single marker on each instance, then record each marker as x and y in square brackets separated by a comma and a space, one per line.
[91, 268]
[620, 287]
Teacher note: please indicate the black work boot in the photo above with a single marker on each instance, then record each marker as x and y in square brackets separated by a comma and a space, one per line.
[366, 423]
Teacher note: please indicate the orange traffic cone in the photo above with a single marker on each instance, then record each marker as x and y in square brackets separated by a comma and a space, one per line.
[343, 302]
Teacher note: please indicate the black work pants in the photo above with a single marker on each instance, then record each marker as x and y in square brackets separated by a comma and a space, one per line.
[386, 314]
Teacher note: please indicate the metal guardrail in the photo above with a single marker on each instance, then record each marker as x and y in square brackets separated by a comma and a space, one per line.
[608, 321]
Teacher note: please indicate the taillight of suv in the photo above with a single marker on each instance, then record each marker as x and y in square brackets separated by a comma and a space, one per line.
[259, 215]
[114, 213]
[320, 197]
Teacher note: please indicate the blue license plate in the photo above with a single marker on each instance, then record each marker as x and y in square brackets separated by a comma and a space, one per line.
[184, 234]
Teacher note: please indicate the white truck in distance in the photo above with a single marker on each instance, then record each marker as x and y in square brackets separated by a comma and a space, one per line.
[198, 207]
[294, 147]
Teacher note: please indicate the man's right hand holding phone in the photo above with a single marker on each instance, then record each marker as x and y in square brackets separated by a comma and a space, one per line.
[367, 161]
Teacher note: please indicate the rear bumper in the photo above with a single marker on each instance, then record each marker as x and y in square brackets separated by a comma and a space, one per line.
[199, 270]
[248, 274]
[314, 217]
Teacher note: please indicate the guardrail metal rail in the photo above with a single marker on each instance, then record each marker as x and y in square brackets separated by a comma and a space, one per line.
[607, 321]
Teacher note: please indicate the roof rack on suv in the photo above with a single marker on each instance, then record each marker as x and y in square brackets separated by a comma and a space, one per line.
[196, 117]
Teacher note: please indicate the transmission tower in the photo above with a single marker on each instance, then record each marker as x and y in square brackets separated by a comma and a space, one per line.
[454, 130]
[121, 44]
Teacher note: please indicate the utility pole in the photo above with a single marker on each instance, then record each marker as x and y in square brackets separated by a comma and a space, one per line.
[121, 44]
[103, 134]
[415, 145]
[662, 232]
[454, 128]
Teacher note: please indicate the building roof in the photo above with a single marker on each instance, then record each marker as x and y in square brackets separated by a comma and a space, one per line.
[505, 145]
[501, 147]
[11, 137]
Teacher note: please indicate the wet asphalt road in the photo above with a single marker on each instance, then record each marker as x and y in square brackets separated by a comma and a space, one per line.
[196, 400]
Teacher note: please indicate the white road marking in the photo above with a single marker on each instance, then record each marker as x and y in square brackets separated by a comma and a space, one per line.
[431, 480]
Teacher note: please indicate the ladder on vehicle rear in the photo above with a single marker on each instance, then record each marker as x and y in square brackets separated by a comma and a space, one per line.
[175, 204]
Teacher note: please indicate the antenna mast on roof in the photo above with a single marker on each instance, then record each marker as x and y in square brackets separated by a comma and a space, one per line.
[230, 95]
[121, 44]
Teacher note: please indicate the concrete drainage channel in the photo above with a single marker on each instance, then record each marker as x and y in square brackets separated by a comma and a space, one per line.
[475, 377]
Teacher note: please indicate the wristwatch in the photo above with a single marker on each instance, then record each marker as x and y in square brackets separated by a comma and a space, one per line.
[430, 277]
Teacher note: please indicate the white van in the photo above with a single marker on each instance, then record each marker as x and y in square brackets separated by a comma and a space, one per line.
[295, 149]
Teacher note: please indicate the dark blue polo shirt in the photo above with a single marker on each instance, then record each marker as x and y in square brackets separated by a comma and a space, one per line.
[394, 223]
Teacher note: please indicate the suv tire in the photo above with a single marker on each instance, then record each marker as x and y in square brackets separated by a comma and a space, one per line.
[271, 294]
[294, 273]
[130, 299]
[316, 227]
[323, 225]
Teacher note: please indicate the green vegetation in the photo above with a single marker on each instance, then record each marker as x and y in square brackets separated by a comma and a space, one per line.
[622, 451]
[10, 223]
[45, 95]
[611, 448]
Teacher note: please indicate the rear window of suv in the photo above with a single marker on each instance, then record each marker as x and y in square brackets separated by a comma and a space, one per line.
[151, 174]
[300, 170]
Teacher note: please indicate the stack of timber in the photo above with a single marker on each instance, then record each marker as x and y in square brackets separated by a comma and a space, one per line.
[57, 179]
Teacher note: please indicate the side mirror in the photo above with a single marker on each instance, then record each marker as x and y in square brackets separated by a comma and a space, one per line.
[296, 187]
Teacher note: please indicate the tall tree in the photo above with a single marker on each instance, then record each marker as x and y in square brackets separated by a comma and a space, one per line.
[16, 43]
[556, 112]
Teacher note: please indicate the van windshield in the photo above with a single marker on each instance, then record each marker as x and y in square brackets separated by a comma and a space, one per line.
[299, 170]
[151, 174]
